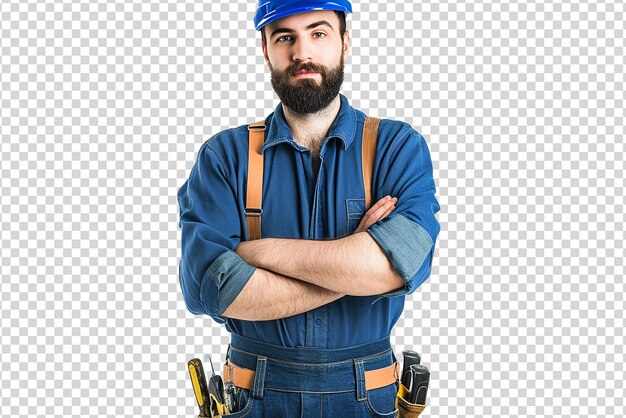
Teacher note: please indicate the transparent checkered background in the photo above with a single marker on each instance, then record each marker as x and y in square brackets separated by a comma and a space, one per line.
[104, 106]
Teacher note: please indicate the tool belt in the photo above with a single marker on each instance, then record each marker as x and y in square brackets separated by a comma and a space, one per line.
[244, 378]
[374, 379]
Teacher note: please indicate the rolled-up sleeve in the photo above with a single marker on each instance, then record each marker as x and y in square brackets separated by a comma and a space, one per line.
[211, 274]
[408, 235]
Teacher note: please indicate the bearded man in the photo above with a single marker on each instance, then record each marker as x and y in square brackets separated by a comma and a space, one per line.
[311, 282]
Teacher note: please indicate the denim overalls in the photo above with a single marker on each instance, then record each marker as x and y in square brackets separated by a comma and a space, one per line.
[310, 382]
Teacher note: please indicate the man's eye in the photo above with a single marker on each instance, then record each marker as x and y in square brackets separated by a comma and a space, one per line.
[320, 33]
[283, 37]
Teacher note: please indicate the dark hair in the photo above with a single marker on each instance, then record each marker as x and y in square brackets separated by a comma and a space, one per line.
[342, 26]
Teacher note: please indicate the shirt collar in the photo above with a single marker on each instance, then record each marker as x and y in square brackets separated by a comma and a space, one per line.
[343, 127]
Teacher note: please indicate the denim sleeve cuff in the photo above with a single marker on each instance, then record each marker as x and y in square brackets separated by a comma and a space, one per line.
[230, 273]
[406, 244]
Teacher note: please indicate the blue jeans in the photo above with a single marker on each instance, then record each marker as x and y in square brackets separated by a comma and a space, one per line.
[309, 382]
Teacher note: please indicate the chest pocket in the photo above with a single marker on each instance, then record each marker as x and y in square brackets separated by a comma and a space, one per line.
[355, 209]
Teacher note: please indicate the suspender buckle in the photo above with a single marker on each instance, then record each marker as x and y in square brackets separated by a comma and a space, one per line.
[253, 211]
[261, 127]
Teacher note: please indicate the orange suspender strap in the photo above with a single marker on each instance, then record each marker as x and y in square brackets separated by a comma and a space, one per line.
[368, 154]
[256, 130]
[253, 209]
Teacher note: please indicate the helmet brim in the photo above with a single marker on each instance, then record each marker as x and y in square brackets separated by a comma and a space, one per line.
[261, 20]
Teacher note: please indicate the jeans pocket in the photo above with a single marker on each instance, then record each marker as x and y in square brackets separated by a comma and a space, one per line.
[381, 402]
[355, 208]
[243, 405]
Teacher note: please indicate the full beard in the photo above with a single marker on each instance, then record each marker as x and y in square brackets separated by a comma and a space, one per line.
[304, 95]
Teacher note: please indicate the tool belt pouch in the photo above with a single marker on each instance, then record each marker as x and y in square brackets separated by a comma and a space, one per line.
[405, 408]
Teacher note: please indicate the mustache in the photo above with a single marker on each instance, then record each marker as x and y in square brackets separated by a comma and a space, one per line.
[308, 67]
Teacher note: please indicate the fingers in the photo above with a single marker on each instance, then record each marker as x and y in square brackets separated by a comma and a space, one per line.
[380, 210]
[381, 202]
[388, 211]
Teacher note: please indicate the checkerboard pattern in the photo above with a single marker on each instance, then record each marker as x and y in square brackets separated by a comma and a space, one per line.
[104, 105]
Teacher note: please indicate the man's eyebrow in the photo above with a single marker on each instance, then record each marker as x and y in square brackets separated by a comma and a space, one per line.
[311, 26]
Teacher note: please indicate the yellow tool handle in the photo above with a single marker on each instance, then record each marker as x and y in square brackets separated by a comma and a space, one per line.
[198, 382]
[195, 382]
[221, 408]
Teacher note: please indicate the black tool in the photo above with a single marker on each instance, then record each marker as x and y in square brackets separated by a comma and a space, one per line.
[216, 392]
[410, 358]
[229, 396]
[419, 383]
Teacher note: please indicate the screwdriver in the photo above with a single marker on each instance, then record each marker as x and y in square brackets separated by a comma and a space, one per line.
[198, 381]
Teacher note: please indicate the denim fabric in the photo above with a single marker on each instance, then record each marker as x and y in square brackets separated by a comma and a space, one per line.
[302, 204]
[355, 208]
[406, 244]
[230, 274]
[296, 382]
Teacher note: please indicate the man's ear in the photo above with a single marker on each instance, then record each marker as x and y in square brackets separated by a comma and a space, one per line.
[264, 49]
[346, 43]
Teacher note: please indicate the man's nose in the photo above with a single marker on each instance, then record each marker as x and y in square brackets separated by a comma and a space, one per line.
[302, 49]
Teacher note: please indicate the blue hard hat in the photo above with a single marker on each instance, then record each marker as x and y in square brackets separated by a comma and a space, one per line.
[270, 10]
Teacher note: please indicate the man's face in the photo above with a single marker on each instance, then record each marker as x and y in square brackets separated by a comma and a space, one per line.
[305, 54]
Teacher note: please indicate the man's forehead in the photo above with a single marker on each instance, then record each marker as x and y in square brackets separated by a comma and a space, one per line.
[302, 20]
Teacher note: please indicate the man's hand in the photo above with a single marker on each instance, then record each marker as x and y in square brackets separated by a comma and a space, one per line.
[379, 211]
[330, 264]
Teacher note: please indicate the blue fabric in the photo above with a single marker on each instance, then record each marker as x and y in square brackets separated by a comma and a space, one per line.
[292, 382]
[407, 245]
[230, 274]
[299, 203]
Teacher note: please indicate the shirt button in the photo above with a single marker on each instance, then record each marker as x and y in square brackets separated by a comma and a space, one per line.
[318, 321]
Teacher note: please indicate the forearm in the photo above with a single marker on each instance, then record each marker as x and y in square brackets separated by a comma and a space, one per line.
[353, 265]
[269, 295]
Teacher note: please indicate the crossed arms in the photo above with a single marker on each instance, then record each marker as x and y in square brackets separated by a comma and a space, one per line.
[295, 275]
[266, 279]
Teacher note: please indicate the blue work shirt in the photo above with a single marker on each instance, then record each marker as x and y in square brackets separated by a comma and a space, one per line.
[299, 203]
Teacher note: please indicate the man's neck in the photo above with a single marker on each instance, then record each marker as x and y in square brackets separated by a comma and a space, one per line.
[310, 130]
